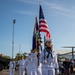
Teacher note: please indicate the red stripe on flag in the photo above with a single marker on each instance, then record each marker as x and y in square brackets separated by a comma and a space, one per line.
[43, 21]
[44, 30]
[43, 25]
[48, 35]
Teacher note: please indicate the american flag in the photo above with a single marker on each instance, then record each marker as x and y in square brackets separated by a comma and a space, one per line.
[43, 26]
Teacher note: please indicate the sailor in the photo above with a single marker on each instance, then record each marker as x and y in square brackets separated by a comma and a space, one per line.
[48, 58]
[21, 66]
[31, 63]
[39, 68]
[34, 62]
[27, 64]
[12, 66]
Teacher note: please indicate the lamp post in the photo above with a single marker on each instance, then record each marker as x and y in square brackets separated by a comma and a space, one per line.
[13, 39]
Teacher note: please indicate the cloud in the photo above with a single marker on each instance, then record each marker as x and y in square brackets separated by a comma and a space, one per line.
[24, 12]
[61, 9]
[29, 1]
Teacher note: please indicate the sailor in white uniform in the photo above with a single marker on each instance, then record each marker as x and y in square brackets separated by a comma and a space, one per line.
[48, 58]
[27, 65]
[34, 63]
[21, 66]
[39, 67]
[12, 66]
[31, 63]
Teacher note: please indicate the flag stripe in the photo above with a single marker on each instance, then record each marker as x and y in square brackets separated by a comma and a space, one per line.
[43, 26]
[43, 20]
[42, 29]
[48, 35]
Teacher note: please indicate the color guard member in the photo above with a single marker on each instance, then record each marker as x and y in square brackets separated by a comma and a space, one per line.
[48, 58]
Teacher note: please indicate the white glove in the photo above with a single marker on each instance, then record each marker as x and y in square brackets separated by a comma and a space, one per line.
[44, 62]
[57, 71]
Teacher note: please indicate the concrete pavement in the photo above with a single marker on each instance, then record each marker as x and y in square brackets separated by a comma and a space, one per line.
[6, 72]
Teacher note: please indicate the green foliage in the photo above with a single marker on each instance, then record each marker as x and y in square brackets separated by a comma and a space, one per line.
[8, 57]
[24, 55]
[18, 56]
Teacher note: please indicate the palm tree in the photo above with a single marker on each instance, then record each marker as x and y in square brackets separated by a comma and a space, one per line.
[24, 55]
[17, 56]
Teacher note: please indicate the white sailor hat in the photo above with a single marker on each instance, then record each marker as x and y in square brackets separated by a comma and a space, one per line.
[48, 40]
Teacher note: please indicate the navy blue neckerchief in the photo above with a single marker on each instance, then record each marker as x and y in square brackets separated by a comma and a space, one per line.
[49, 50]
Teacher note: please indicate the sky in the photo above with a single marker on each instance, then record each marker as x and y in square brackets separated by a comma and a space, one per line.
[59, 14]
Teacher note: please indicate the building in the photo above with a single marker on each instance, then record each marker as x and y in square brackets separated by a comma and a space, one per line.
[65, 54]
[1, 55]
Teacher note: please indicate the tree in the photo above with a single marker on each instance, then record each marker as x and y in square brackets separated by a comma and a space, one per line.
[8, 57]
[24, 55]
[17, 56]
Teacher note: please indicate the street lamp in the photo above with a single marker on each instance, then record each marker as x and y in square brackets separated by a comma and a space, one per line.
[13, 38]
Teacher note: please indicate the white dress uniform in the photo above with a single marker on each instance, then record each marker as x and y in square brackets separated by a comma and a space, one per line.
[12, 66]
[39, 69]
[49, 64]
[27, 65]
[21, 67]
[31, 64]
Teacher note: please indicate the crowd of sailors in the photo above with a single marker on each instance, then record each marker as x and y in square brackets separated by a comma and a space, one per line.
[45, 63]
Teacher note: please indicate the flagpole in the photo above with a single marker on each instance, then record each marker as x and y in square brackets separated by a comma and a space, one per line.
[37, 40]
[44, 48]
[44, 42]
[13, 40]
